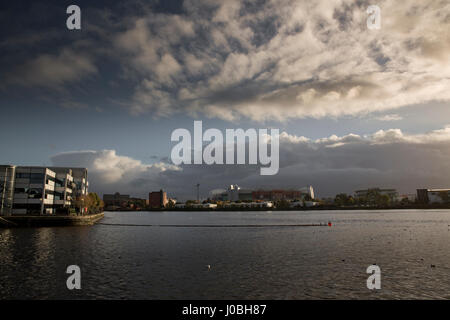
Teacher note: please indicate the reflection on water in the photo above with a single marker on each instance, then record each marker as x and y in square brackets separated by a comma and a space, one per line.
[120, 262]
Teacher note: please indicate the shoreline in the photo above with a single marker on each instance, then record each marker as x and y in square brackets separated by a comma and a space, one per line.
[315, 208]
[50, 220]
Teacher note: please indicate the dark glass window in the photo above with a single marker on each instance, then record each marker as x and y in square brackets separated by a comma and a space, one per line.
[35, 193]
[21, 190]
[58, 196]
[22, 175]
[59, 183]
[34, 209]
[36, 178]
[20, 206]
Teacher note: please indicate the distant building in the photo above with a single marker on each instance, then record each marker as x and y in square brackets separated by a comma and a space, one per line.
[157, 199]
[262, 204]
[119, 201]
[433, 196]
[281, 194]
[200, 206]
[32, 190]
[116, 200]
[235, 193]
[422, 196]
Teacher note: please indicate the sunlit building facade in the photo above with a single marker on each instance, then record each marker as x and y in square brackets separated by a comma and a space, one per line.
[40, 190]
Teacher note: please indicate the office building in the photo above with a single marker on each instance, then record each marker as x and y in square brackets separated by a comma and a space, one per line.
[40, 190]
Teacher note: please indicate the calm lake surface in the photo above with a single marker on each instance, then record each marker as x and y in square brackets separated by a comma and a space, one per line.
[151, 262]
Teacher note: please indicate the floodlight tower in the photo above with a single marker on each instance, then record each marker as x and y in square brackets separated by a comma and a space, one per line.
[198, 192]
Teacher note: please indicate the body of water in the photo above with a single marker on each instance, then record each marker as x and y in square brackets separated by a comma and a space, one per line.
[412, 248]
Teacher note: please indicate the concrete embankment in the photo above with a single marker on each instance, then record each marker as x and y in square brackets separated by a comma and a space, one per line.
[50, 220]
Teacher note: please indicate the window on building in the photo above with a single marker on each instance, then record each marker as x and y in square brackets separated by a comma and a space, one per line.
[35, 193]
[22, 175]
[20, 206]
[36, 178]
[21, 190]
[34, 209]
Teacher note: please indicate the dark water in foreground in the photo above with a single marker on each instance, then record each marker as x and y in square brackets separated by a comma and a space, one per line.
[121, 262]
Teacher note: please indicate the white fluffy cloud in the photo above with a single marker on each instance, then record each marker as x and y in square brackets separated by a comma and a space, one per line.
[289, 59]
[109, 172]
[390, 117]
[388, 158]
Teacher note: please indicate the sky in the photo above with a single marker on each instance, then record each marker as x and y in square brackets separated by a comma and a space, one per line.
[355, 107]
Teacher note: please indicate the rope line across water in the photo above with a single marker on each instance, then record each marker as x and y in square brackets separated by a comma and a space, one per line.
[215, 225]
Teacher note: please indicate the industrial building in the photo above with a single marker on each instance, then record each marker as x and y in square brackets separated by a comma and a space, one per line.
[235, 193]
[431, 196]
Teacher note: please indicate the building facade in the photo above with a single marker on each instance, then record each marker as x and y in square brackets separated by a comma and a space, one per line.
[433, 196]
[157, 199]
[116, 200]
[282, 194]
[235, 193]
[119, 201]
[40, 190]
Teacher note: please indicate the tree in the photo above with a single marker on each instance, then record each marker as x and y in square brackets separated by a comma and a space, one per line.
[170, 204]
[190, 202]
[282, 204]
[405, 201]
[383, 200]
[341, 199]
[92, 202]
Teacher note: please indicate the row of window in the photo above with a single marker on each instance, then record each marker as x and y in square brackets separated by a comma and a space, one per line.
[36, 193]
[31, 208]
[33, 193]
[24, 175]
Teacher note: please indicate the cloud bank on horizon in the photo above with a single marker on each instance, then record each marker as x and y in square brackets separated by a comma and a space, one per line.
[264, 60]
[387, 158]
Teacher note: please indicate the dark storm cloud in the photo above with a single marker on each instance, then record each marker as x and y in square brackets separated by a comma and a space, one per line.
[334, 164]
[232, 59]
